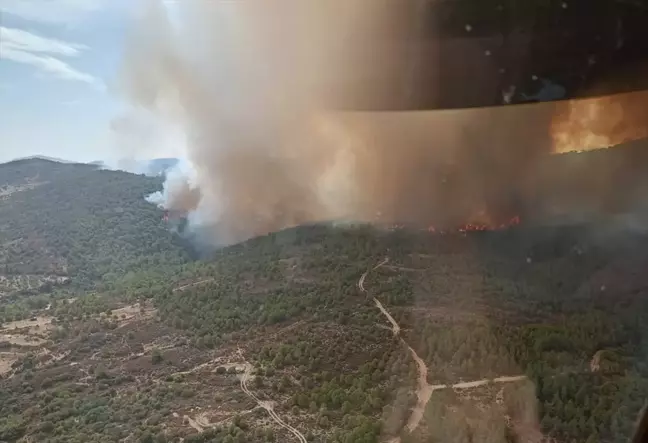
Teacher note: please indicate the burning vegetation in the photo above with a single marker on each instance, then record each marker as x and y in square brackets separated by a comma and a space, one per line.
[601, 122]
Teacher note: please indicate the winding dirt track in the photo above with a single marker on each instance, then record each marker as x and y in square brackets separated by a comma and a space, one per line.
[424, 390]
[267, 405]
[196, 283]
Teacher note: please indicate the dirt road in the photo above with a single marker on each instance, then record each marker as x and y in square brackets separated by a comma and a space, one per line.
[362, 278]
[424, 390]
[193, 423]
[267, 405]
[477, 383]
[196, 283]
[395, 327]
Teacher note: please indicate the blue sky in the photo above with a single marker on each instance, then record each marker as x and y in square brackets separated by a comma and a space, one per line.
[58, 62]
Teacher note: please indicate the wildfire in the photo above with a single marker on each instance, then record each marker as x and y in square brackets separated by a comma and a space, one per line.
[596, 123]
[171, 215]
[474, 227]
[470, 227]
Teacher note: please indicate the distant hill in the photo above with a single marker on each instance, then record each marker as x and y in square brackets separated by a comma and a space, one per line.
[156, 166]
[36, 169]
[44, 157]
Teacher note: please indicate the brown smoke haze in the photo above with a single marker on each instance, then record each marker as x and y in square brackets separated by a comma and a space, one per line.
[251, 84]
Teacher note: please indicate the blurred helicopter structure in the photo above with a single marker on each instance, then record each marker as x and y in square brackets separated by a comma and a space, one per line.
[454, 54]
[442, 54]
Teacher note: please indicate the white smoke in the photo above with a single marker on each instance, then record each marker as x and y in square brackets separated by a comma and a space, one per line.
[179, 181]
[248, 83]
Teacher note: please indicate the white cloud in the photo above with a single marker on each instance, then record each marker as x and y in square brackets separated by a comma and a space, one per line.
[51, 11]
[25, 47]
[46, 63]
[21, 40]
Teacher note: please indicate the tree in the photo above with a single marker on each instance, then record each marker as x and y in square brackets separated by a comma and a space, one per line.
[46, 427]
[12, 428]
[156, 356]
[302, 400]
[258, 381]
[593, 438]
[323, 422]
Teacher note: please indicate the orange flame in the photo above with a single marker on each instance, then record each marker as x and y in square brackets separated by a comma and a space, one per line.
[475, 226]
[601, 122]
[471, 227]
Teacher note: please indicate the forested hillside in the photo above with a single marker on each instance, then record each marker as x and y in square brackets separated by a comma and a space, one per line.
[111, 332]
[78, 222]
[564, 306]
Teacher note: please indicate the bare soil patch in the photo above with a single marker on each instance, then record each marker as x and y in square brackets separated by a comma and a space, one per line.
[6, 360]
[30, 332]
[39, 323]
[128, 314]
[6, 191]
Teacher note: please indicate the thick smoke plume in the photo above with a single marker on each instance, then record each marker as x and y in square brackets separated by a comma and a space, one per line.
[251, 85]
[248, 82]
